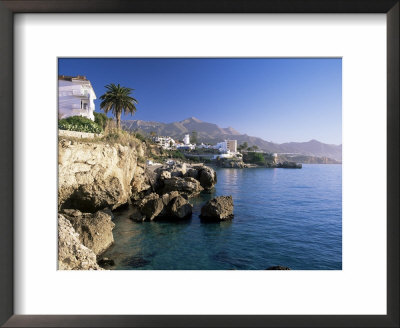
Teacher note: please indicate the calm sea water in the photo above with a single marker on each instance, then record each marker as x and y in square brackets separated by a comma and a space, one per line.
[286, 217]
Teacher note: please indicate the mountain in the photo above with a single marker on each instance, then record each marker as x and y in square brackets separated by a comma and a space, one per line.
[212, 133]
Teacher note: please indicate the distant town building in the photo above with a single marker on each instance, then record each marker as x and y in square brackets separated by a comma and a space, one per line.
[221, 146]
[185, 147]
[227, 146]
[203, 146]
[75, 97]
[231, 145]
[164, 142]
[186, 139]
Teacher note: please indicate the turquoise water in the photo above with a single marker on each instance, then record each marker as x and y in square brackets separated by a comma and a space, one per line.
[288, 217]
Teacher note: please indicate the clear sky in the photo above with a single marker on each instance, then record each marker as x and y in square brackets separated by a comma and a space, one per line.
[279, 100]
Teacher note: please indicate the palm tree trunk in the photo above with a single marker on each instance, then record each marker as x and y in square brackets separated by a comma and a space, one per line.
[118, 122]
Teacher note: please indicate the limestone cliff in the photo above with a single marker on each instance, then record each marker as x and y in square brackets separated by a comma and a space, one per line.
[72, 254]
[94, 176]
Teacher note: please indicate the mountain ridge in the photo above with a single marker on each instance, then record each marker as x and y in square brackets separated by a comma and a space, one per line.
[212, 133]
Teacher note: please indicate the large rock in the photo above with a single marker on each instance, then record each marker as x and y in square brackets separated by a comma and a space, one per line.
[95, 230]
[93, 176]
[188, 186]
[207, 177]
[151, 206]
[179, 208]
[72, 254]
[168, 206]
[192, 173]
[218, 208]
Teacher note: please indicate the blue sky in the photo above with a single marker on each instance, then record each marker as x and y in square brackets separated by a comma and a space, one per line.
[279, 100]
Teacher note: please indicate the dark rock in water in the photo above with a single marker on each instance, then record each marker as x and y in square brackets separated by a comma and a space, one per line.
[151, 206]
[218, 208]
[207, 177]
[105, 262]
[171, 205]
[179, 208]
[278, 267]
[289, 165]
[136, 261]
[137, 216]
[191, 173]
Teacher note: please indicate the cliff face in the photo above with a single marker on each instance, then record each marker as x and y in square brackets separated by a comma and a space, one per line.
[93, 176]
[72, 254]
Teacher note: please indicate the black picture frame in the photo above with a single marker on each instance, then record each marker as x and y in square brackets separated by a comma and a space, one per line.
[10, 7]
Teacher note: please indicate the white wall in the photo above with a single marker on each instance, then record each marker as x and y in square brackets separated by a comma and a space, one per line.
[70, 95]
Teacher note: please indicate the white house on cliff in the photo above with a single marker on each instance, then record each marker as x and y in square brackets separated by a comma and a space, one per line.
[75, 97]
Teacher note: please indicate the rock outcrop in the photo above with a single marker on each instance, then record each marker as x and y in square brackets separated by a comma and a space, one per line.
[168, 206]
[151, 206]
[218, 208]
[188, 186]
[207, 177]
[140, 183]
[183, 178]
[95, 230]
[93, 176]
[179, 208]
[230, 163]
[289, 165]
[72, 254]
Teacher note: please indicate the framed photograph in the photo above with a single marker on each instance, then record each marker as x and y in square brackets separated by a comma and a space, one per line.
[200, 164]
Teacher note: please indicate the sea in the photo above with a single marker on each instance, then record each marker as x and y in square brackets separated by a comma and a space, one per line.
[285, 217]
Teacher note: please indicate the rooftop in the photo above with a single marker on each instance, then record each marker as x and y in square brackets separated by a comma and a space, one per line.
[70, 78]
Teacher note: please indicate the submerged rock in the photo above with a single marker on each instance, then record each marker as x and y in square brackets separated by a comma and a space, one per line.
[72, 254]
[95, 230]
[278, 267]
[218, 208]
[105, 262]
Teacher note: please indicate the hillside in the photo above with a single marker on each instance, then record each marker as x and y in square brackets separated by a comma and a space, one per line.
[212, 133]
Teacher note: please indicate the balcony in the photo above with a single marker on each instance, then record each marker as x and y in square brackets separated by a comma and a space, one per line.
[81, 93]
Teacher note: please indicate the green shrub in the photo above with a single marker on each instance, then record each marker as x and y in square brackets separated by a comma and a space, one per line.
[101, 119]
[80, 124]
[140, 136]
[254, 158]
[176, 154]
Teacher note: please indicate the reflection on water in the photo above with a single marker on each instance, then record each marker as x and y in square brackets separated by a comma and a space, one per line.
[282, 217]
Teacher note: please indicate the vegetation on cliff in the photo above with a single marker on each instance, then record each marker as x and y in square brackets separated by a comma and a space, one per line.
[80, 124]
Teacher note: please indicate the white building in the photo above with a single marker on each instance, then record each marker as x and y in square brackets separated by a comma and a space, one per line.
[186, 139]
[203, 146]
[221, 146]
[75, 97]
[185, 147]
[165, 142]
[227, 146]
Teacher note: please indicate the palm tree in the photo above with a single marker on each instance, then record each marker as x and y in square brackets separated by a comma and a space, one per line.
[118, 99]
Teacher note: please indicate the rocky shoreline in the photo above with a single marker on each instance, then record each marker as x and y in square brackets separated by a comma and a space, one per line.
[95, 178]
[239, 164]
